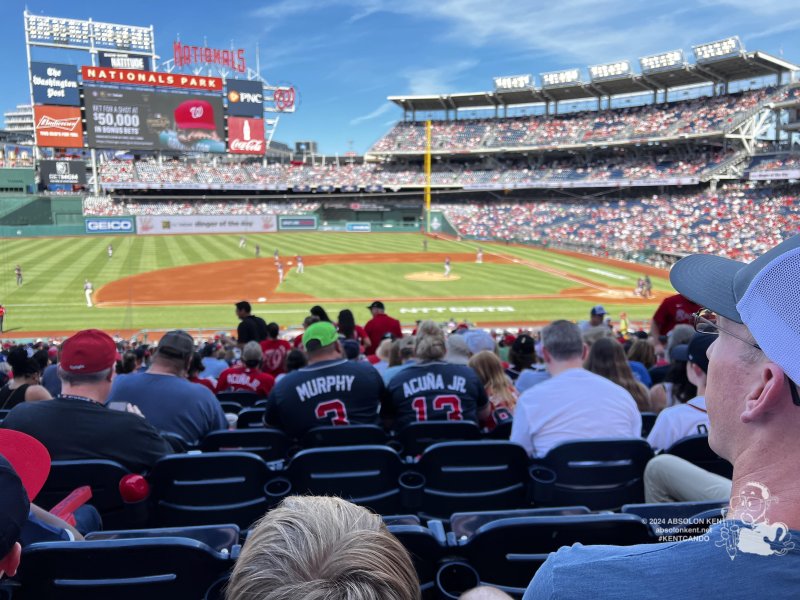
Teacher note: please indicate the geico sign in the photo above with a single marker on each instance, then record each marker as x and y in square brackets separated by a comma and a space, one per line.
[109, 226]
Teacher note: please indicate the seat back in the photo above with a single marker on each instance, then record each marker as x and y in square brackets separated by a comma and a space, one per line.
[416, 437]
[221, 538]
[425, 549]
[648, 420]
[349, 435]
[205, 489]
[250, 418]
[601, 474]
[465, 524]
[228, 406]
[121, 569]
[696, 450]
[245, 399]
[507, 553]
[470, 476]
[103, 476]
[269, 444]
[365, 475]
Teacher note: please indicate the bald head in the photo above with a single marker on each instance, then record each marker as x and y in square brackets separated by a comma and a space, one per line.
[485, 593]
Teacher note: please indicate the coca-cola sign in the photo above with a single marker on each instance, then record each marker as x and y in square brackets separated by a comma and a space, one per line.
[246, 136]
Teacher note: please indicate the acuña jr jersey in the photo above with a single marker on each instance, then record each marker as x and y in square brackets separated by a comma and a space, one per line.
[436, 391]
[331, 392]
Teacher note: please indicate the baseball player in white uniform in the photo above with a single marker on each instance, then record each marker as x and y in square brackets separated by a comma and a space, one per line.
[300, 267]
[110, 250]
[87, 291]
[479, 256]
[242, 242]
[280, 273]
[447, 267]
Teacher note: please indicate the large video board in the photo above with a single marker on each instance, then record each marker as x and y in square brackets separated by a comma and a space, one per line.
[140, 120]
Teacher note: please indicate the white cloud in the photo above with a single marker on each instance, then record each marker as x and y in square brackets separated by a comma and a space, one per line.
[436, 80]
[381, 110]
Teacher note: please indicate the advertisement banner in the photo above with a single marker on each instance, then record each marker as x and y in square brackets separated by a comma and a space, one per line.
[245, 98]
[358, 227]
[55, 84]
[62, 172]
[58, 126]
[151, 78]
[246, 136]
[775, 175]
[133, 119]
[106, 226]
[170, 225]
[123, 60]
[297, 223]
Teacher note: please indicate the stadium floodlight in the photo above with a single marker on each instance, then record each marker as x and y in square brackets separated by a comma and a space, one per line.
[78, 34]
[561, 78]
[662, 62]
[718, 50]
[513, 82]
[613, 70]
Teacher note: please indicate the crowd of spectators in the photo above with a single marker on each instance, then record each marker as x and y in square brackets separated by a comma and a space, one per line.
[522, 173]
[697, 116]
[737, 220]
[775, 163]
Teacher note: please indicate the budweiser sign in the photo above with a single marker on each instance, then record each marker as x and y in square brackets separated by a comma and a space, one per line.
[58, 126]
[246, 136]
[151, 78]
[63, 124]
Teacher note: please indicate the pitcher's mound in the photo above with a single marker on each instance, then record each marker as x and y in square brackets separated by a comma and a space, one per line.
[431, 276]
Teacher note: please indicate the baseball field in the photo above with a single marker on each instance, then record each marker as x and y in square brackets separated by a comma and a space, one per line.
[161, 282]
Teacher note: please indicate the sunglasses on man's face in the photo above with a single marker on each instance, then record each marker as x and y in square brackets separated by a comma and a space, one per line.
[707, 321]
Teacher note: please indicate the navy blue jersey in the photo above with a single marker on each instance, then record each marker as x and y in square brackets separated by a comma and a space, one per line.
[331, 392]
[436, 391]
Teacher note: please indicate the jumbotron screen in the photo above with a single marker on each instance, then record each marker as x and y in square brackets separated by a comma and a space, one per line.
[144, 120]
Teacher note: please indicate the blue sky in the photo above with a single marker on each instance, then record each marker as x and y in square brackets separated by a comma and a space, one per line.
[346, 56]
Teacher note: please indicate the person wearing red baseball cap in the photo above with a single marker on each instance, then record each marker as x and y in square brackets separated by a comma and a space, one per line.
[76, 424]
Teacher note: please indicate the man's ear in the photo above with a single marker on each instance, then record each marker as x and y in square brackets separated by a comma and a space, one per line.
[546, 357]
[10, 562]
[766, 395]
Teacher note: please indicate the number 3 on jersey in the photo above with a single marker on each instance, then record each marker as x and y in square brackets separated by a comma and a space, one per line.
[445, 402]
[333, 409]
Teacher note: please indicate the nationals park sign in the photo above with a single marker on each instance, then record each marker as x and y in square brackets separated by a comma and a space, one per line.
[151, 78]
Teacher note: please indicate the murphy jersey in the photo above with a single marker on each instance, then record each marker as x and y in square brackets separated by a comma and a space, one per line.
[436, 391]
[331, 392]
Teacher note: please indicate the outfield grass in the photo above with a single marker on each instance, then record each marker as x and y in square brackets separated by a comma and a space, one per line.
[51, 298]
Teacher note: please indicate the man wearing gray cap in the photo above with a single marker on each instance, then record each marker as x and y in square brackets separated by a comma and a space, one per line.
[166, 398]
[753, 406]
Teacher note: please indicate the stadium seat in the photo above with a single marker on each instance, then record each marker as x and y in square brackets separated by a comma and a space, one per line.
[245, 399]
[501, 432]
[207, 489]
[269, 444]
[103, 476]
[250, 418]
[365, 475]
[468, 476]
[464, 525]
[414, 438]
[221, 538]
[506, 553]
[177, 441]
[130, 569]
[229, 406]
[350, 435]
[696, 450]
[427, 547]
[602, 474]
[648, 420]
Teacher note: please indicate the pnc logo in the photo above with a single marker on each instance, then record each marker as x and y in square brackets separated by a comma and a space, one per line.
[233, 96]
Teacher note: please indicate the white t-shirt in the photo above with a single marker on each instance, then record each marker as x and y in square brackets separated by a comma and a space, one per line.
[677, 422]
[573, 405]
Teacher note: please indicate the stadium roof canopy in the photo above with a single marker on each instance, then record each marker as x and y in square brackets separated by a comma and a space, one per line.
[746, 65]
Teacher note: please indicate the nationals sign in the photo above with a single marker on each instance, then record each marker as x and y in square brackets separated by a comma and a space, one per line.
[186, 55]
[151, 78]
[58, 126]
[246, 136]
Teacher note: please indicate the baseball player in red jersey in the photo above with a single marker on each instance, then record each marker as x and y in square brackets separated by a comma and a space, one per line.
[249, 377]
